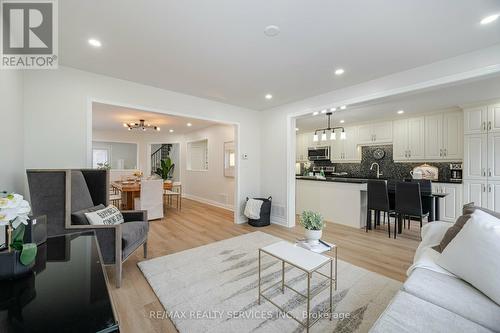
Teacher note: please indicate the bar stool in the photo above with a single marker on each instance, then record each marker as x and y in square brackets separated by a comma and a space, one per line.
[378, 201]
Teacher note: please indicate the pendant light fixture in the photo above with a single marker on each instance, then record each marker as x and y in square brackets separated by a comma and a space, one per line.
[333, 135]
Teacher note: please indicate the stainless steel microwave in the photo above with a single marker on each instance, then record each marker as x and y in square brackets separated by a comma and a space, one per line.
[318, 153]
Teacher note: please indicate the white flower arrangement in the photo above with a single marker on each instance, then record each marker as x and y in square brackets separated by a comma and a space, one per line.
[14, 210]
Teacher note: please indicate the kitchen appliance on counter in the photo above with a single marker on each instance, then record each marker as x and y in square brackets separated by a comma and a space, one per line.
[318, 153]
[326, 169]
[425, 171]
[456, 171]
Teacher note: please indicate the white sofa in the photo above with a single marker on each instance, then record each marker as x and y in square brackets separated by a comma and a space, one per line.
[434, 300]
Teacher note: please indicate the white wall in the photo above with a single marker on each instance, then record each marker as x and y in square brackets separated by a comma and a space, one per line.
[278, 125]
[64, 96]
[210, 186]
[11, 131]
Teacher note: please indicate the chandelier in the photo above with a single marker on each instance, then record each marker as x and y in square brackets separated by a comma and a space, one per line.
[141, 125]
[331, 130]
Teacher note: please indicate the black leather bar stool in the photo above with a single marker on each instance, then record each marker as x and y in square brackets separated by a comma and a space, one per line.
[378, 201]
[408, 203]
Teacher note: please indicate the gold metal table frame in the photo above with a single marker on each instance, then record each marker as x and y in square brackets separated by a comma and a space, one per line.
[333, 282]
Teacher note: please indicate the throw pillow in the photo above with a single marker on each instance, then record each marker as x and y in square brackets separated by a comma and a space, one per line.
[473, 254]
[451, 233]
[109, 216]
[470, 208]
[79, 216]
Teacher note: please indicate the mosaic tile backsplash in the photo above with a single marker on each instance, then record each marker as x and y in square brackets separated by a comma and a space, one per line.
[389, 169]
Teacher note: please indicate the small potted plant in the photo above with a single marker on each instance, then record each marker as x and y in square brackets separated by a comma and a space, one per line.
[166, 170]
[314, 224]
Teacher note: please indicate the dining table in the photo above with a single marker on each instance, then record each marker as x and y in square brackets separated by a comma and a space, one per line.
[131, 190]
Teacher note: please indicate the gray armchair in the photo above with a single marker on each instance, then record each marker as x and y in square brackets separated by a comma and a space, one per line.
[65, 195]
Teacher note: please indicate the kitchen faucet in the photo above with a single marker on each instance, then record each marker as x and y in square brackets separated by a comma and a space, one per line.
[378, 169]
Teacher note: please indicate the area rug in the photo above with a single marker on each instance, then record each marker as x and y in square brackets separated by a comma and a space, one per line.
[214, 288]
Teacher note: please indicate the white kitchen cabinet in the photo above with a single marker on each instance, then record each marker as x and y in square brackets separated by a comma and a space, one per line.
[408, 137]
[494, 156]
[434, 136]
[476, 191]
[494, 196]
[347, 150]
[493, 118]
[300, 148]
[475, 120]
[376, 133]
[453, 136]
[475, 156]
[444, 136]
[451, 205]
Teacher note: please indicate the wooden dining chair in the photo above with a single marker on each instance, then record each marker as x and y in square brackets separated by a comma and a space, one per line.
[408, 204]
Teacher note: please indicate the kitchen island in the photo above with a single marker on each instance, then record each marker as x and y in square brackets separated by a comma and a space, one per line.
[338, 199]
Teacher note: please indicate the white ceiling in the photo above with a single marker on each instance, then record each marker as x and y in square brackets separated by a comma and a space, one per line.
[107, 117]
[217, 49]
[416, 103]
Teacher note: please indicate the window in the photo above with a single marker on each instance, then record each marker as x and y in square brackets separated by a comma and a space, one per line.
[99, 156]
[229, 159]
[197, 155]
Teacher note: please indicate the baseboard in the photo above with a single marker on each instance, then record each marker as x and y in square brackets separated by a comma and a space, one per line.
[279, 220]
[208, 201]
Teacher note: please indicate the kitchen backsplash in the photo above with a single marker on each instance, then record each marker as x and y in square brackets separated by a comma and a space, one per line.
[388, 167]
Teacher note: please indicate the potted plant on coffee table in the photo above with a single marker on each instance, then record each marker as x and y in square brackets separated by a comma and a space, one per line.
[314, 224]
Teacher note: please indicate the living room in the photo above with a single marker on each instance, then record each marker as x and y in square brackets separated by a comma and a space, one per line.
[236, 263]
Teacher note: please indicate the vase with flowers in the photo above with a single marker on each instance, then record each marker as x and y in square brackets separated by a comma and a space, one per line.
[14, 212]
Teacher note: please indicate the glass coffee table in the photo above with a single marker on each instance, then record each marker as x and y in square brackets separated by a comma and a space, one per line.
[305, 260]
[66, 292]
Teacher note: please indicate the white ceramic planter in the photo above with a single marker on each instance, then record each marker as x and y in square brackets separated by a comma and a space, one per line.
[313, 236]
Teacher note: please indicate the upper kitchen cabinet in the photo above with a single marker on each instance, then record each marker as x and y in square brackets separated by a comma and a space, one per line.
[344, 151]
[408, 138]
[475, 120]
[376, 133]
[444, 136]
[303, 141]
[494, 118]
[482, 119]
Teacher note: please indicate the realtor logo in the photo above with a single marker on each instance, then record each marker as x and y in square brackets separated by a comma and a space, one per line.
[29, 34]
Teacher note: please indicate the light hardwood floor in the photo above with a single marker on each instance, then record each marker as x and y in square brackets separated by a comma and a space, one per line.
[199, 224]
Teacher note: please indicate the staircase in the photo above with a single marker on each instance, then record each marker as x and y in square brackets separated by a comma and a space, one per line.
[160, 154]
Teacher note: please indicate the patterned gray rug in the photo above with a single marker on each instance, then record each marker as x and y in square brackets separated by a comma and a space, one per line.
[213, 288]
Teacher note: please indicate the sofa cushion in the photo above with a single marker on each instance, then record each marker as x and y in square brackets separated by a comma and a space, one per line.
[408, 313]
[454, 295]
[473, 254]
[133, 235]
[80, 194]
[79, 216]
[452, 232]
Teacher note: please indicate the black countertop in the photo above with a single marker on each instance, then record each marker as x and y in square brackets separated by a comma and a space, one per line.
[354, 180]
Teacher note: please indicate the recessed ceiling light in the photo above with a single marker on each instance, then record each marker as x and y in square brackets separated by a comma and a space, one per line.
[342, 121]
[296, 128]
[315, 113]
[189, 124]
[269, 96]
[343, 107]
[324, 111]
[94, 42]
[272, 30]
[339, 71]
[489, 19]
[333, 109]
[401, 111]
[171, 130]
